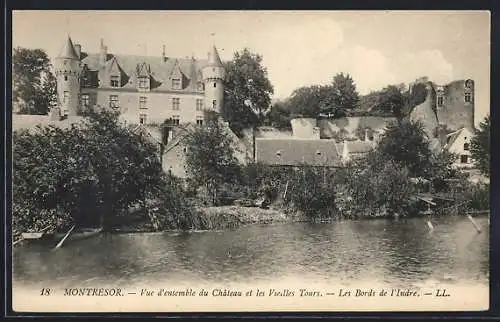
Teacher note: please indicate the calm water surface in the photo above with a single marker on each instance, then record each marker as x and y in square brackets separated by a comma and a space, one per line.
[386, 251]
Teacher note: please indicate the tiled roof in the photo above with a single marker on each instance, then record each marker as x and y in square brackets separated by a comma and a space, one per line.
[161, 70]
[294, 152]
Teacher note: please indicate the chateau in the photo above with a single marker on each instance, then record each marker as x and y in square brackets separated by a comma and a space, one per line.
[148, 90]
[144, 89]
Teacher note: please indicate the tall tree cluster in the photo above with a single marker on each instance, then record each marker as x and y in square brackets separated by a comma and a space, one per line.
[247, 92]
[92, 171]
[34, 84]
[481, 146]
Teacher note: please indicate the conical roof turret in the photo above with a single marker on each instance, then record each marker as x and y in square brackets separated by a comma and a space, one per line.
[68, 50]
[214, 59]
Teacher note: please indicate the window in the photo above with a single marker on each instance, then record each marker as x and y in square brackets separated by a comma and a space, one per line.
[466, 146]
[440, 101]
[113, 101]
[468, 97]
[143, 82]
[464, 158]
[143, 118]
[176, 120]
[214, 104]
[176, 102]
[85, 100]
[65, 78]
[200, 86]
[199, 104]
[215, 85]
[115, 81]
[199, 120]
[176, 83]
[143, 102]
[65, 97]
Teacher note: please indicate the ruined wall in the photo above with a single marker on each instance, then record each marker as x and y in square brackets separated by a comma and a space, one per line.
[425, 112]
[305, 128]
[350, 125]
[455, 112]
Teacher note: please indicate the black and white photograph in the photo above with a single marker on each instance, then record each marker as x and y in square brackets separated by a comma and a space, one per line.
[256, 161]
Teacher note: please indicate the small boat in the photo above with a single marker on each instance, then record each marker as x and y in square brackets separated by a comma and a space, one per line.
[37, 235]
[42, 234]
[78, 234]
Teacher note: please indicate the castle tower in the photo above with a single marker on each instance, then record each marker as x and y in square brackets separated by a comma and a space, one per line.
[67, 70]
[214, 75]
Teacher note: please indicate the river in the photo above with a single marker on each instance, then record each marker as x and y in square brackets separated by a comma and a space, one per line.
[400, 253]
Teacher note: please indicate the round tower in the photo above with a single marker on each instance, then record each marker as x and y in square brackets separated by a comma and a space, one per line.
[67, 70]
[214, 75]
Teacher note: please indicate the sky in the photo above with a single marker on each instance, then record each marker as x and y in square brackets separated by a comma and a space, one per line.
[299, 48]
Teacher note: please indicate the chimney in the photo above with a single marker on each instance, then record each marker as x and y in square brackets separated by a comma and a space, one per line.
[366, 135]
[78, 50]
[209, 55]
[103, 53]
[164, 58]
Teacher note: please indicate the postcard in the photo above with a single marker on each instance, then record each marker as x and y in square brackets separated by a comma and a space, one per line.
[255, 161]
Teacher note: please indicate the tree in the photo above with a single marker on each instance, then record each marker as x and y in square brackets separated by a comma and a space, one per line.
[342, 96]
[92, 171]
[306, 101]
[481, 146]
[247, 92]
[210, 158]
[34, 85]
[279, 116]
[404, 142]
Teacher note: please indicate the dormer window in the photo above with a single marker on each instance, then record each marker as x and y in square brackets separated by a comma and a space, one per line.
[143, 82]
[176, 83]
[278, 153]
[318, 152]
[115, 81]
[468, 97]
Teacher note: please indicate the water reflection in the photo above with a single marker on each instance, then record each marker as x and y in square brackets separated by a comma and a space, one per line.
[398, 252]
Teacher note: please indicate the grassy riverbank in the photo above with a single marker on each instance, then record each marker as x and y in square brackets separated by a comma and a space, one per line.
[224, 217]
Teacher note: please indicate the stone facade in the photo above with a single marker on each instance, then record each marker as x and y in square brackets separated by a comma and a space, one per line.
[448, 106]
[144, 89]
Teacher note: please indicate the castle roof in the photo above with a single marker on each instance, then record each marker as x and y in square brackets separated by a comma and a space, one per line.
[214, 59]
[68, 51]
[295, 152]
[162, 70]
